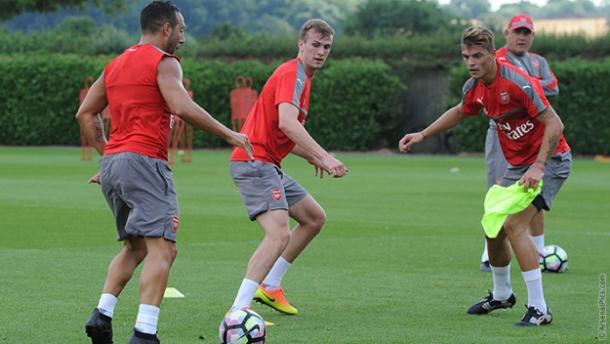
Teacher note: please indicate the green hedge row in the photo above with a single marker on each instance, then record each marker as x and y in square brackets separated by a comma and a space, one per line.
[583, 105]
[439, 50]
[354, 102]
[40, 97]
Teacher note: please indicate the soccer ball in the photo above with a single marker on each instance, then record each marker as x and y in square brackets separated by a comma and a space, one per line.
[242, 326]
[555, 259]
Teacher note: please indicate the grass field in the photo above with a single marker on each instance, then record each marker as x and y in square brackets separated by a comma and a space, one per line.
[398, 261]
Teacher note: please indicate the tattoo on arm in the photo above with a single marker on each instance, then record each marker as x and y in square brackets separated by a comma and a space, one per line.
[98, 126]
[553, 141]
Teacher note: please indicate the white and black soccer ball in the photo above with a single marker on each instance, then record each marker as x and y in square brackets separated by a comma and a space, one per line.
[242, 326]
[555, 259]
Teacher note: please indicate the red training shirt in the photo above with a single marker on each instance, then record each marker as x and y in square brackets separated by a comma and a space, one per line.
[513, 100]
[288, 84]
[141, 118]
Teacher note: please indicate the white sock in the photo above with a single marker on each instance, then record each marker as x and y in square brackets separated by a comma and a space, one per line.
[245, 294]
[539, 242]
[274, 277]
[148, 317]
[535, 295]
[501, 278]
[106, 304]
[485, 256]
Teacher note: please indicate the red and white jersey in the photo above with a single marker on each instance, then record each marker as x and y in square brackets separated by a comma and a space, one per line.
[513, 101]
[140, 116]
[288, 84]
[534, 65]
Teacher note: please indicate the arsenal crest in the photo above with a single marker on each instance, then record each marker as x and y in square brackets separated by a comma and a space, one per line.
[277, 194]
[504, 97]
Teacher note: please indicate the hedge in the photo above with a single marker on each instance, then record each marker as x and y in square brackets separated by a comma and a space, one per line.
[438, 50]
[40, 97]
[354, 102]
[582, 104]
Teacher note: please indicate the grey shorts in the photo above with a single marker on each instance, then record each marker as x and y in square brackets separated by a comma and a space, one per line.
[140, 191]
[555, 174]
[264, 186]
[494, 157]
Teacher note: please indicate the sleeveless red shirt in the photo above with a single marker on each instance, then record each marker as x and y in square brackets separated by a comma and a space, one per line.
[140, 116]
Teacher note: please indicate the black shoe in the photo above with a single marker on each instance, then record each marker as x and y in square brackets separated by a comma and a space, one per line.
[485, 266]
[488, 304]
[534, 317]
[99, 328]
[143, 338]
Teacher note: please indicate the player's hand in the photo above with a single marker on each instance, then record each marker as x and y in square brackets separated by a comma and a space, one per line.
[95, 179]
[333, 166]
[404, 145]
[532, 177]
[318, 171]
[241, 140]
[318, 167]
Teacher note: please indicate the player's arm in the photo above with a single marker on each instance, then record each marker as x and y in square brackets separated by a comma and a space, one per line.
[446, 121]
[548, 80]
[301, 152]
[88, 114]
[169, 79]
[289, 124]
[553, 128]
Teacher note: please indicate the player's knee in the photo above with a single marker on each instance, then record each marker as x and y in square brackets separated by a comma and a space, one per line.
[137, 252]
[281, 239]
[173, 253]
[318, 220]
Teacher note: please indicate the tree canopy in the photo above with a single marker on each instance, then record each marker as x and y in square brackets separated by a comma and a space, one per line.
[396, 17]
[11, 8]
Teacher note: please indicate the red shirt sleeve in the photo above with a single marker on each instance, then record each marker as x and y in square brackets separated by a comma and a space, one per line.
[286, 87]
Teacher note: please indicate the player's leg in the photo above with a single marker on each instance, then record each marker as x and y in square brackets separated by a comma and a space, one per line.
[496, 165]
[153, 281]
[537, 232]
[310, 218]
[276, 225]
[516, 229]
[123, 265]
[120, 270]
[502, 294]
[151, 194]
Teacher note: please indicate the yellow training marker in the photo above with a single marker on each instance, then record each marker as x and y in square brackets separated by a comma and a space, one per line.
[172, 293]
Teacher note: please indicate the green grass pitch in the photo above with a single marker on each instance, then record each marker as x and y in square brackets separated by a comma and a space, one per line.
[397, 262]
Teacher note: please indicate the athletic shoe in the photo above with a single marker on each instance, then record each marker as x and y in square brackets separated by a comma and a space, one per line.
[99, 328]
[485, 266]
[488, 304]
[534, 317]
[143, 338]
[274, 299]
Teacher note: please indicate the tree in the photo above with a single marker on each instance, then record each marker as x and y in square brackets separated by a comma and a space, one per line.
[469, 9]
[569, 9]
[396, 17]
[11, 8]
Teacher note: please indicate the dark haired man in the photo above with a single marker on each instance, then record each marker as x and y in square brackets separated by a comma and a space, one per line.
[519, 34]
[143, 88]
[530, 134]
